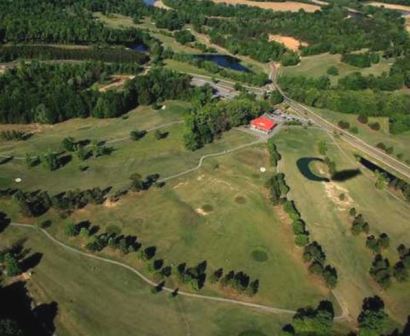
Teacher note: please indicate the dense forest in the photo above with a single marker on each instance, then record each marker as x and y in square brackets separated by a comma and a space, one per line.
[51, 93]
[52, 21]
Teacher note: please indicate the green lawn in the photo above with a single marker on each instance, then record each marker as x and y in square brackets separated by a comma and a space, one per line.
[240, 221]
[317, 65]
[95, 298]
[328, 220]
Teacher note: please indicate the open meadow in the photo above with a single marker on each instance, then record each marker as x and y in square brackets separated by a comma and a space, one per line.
[328, 220]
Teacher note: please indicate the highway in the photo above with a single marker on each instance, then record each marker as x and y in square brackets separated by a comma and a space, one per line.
[372, 152]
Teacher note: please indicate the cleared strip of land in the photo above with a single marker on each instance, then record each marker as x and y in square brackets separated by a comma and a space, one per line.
[288, 41]
[291, 6]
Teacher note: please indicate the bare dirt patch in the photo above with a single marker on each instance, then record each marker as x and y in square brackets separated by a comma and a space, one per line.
[288, 41]
[291, 6]
[117, 81]
[333, 191]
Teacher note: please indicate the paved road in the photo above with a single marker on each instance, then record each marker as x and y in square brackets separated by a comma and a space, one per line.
[373, 152]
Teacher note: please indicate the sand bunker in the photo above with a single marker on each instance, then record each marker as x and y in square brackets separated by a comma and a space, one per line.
[291, 6]
[288, 41]
[333, 191]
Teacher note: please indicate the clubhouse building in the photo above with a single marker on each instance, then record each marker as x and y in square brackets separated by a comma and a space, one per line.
[263, 124]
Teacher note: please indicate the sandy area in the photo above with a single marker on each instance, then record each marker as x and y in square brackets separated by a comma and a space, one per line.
[289, 41]
[201, 212]
[389, 6]
[160, 4]
[333, 191]
[291, 6]
[117, 81]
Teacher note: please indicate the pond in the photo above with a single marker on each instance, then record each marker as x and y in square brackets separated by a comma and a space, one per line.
[140, 47]
[224, 61]
[149, 2]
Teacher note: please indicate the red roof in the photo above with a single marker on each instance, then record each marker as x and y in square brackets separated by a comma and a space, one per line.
[263, 123]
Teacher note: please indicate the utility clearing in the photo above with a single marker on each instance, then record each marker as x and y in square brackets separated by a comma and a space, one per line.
[291, 6]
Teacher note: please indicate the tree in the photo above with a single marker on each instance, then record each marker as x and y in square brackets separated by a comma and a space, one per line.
[51, 161]
[11, 265]
[137, 134]
[332, 70]
[69, 144]
[323, 148]
[310, 321]
[372, 319]
[363, 119]
[137, 183]
[10, 327]
[71, 230]
[275, 97]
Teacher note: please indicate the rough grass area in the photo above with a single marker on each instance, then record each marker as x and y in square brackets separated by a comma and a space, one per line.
[329, 222]
[317, 65]
[94, 298]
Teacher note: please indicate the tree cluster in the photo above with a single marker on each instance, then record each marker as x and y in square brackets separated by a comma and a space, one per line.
[316, 257]
[206, 123]
[312, 321]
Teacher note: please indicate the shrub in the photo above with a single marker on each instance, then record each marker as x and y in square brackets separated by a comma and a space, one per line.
[333, 71]
[343, 124]
[375, 126]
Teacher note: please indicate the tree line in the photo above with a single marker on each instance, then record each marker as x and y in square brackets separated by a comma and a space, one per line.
[313, 253]
[10, 53]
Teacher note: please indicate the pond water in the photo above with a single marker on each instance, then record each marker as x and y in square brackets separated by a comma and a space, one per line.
[140, 47]
[224, 61]
[374, 167]
[149, 2]
[303, 165]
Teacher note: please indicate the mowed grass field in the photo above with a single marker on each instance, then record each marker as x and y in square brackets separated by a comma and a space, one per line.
[329, 222]
[317, 65]
[166, 157]
[220, 214]
[95, 299]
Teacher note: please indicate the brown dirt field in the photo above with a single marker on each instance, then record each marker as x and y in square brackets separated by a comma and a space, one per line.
[389, 6]
[288, 41]
[117, 81]
[291, 6]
